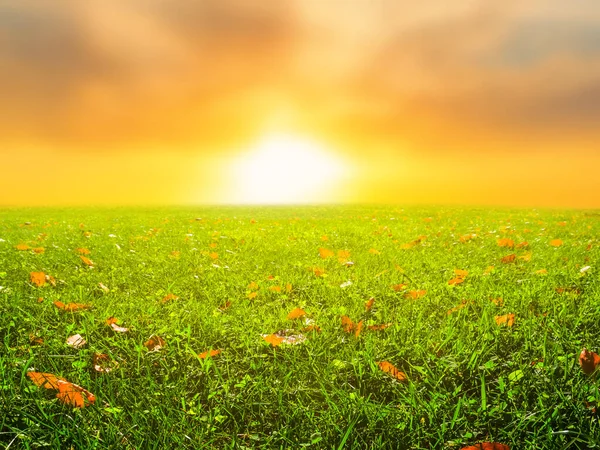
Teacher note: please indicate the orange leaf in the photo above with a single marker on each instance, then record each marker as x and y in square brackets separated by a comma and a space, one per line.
[208, 353]
[343, 256]
[509, 258]
[506, 319]
[253, 286]
[347, 324]
[487, 446]
[72, 394]
[325, 253]
[296, 313]
[45, 380]
[461, 273]
[87, 261]
[505, 242]
[454, 281]
[83, 251]
[556, 242]
[71, 306]
[155, 343]
[392, 370]
[588, 361]
[214, 255]
[169, 297]
[399, 287]
[22, 247]
[273, 339]
[38, 278]
[252, 295]
[39, 250]
[466, 237]
[225, 306]
[111, 320]
[458, 307]
[358, 328]
[312, 328]
[275, 288]
[383, 326]
[523, 244]
[369, 304]
[415, 294]
[318, 271]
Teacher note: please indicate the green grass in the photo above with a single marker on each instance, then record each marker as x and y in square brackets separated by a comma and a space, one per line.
[470, 380]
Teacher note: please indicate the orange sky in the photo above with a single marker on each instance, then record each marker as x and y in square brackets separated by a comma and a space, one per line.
[155, 102]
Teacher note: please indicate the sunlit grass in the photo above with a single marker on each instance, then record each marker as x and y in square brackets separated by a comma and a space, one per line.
[470, 379]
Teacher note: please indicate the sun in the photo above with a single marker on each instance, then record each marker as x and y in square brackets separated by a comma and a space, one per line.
[287, 169]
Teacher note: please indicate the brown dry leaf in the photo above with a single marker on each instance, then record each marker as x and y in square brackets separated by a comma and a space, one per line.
[169, 297]
[225, 306]
[392, 370]
[296, 313]
[103, 363]
[83, 251]
[487, 446]
[505, 242]
[415, 294]
[87, 261]
[399, 287]
[508, 258]
[273, 339]
[71, 306]
[325, 253]
[39, 250]
[22, 247]
[506, 319]
[35, 340]
[588, 361]
[76, 341]
[155, 343]
[455, 281]
[38, 278]
[380, 327]
[208, 353]
[369, 304]
[556, 242]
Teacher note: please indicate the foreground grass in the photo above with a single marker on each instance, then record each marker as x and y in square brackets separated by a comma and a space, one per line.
[470, 379]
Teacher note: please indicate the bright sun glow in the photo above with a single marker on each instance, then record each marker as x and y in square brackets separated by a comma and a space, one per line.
[284, 168]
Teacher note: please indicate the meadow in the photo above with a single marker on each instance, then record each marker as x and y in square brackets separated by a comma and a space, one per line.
[288, 327]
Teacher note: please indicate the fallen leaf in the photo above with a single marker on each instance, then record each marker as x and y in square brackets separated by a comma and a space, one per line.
[358, 328]
[488, 270]
[83, 251]
[497, 301]
[213, 255]
[318, 271]
[103, 363]
[76, 341]
[71, 306]
[35, 340]
[399, 287]
[526, 257]
[39, 250]
[383, 326]
[40, 299]
[347, 324]
[415, 294]
[22, 247]
[118, 328]
[169, 297]
[104, 288]
[225, 306]
[455, 281]
[508, 258]
[325, 253]
[273, 339]
[253, 286]
[369, 304]
[38, 278]
[588, 361]
[275, 288]
[87, 261]
[252, 295]
[392, 370]
[343, 256]
[68, 393]
[541, 272]
[296, 313]
[467, 237]
[523, 244]
[487, 446]
[457, 308]
[288, 287]
[556, 242]
[505, 242]
[460, 273]
[208, 353]
[506, 319]
[312, 328]
[155, 343]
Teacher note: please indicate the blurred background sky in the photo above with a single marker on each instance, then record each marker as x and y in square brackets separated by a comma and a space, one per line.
[162, 101]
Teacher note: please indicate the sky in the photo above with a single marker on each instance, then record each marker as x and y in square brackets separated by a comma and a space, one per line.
[156, 102]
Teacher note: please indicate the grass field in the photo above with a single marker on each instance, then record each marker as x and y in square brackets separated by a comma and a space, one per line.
[473, 372]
